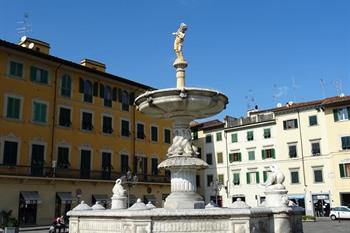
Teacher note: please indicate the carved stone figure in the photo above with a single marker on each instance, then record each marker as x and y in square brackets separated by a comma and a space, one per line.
[182, 144]
[275, 179]
[179, 39]
[118, 190]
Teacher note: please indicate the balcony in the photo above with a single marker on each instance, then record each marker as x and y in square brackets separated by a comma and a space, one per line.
[74, 174]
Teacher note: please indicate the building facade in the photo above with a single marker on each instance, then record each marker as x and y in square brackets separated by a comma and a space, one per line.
[68, 130]
[308, 141]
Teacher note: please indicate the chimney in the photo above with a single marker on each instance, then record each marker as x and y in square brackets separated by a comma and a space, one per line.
[34, 44]
[93, 65]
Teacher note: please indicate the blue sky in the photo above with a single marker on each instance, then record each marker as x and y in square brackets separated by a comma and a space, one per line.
[250, 50]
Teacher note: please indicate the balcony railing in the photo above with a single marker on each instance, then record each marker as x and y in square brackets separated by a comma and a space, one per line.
[67, 173]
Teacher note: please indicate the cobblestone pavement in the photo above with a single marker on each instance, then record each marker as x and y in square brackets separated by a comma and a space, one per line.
[325, 225]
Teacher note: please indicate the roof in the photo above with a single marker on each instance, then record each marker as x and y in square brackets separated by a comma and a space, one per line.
[33, 53]
[327, 102]
[207, 124]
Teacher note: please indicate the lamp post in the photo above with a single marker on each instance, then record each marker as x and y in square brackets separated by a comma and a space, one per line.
[216, 186]
[130, 181]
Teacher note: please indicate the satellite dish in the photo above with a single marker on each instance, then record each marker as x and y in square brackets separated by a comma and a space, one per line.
[23, 38]
[31, 45]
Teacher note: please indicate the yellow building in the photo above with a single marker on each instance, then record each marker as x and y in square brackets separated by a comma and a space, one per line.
[68, 130]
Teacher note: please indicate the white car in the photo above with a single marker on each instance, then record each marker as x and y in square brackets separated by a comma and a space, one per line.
[340, 212]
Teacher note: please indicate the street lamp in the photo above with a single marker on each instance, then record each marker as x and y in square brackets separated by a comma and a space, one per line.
[216, 186]
[130, 180]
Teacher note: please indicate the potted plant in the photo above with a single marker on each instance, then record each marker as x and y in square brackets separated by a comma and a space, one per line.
[9, 223]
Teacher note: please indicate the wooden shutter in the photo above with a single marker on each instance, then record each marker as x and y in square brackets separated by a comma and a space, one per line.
[342, 170]
[284, 124]
[263, 154]
[335, 115]
[348, 108]
[32, 73]
[95, 91]
[230, 156]
[114, 94]
[45, 76]
[248, 178]
[102, 90]
[239, 156]
[120, 95]
[265, 175]
[257, 177]
[81, 85]
[273, 153]
[131, 98]
[295, 123]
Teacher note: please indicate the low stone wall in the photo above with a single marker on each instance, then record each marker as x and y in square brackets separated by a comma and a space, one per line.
[216, 220]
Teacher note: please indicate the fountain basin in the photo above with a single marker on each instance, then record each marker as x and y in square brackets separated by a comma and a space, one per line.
[187, 102]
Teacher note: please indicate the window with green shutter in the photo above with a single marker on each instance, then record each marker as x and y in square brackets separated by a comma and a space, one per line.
[257, 177]
[235, 157]
[66, 85]
[39, 75]
[345, 143]
[230, 157]
[234, 138]
[264, 176]
[251, 155]
[267, 133]
[221, 178]
[13, 107]
[248, 177]
[268, 153]
[16, 69]
[341, 114]
[250, 136]
[344, 169]
[218, 136]
[39, 112]
[236, 179]
[219, 157]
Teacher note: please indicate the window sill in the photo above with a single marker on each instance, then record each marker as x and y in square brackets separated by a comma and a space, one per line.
[321, 182]
[41, 84]
[124, 137]
[40, 123]
[87, 131]
[15, 77]
[108, 134]
[64, 127]
[295, 183]
[13, 119]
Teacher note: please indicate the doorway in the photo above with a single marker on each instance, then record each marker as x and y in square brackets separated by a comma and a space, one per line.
[37, 162]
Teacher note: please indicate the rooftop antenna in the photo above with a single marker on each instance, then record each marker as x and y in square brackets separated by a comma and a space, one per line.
[294, 88]
[323, 88]
[338, 86]
[250, 100]
[25, 26]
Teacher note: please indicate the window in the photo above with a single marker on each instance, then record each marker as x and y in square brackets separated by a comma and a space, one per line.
[86, 123]
[39, 75]
[253, 178]
[220, 158]
[124, 163]
[66, 85]
[208, 138]
[106, 94]
[125, 128]
[341, 114]
[154, 133]
[64, 117]
[250, 136]
[16, 69]
[107, 125]
[251, 155]
[292, 151]
[234, 138]
[209, 180]
[209, 159]
[315, 148]
[345, 143]
[198, 181]
[218, 136]
[10, 153]
[87, 90]
[13, 109]
[221, 178]
[195, 134]
[154, 166]
[318, 175]
[63, 157]
[140, 128]
[167, 136]
[290, 124]
[235, 157]
[344, 169]
[125, 101]
[294, 176]
[267, 133]
[39, 112]
[268, 153]
[312, 120]
[266, 175]
[236, 178]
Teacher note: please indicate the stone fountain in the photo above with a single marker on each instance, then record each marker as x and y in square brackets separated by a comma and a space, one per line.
[184, 210]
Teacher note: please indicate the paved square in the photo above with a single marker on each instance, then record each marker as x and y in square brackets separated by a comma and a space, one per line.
[327, 226]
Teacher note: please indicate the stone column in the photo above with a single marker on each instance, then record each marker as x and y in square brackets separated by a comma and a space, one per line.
[180, 66]
[183, 180]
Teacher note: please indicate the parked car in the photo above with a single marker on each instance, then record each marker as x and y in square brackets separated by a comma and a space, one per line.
[340, 212]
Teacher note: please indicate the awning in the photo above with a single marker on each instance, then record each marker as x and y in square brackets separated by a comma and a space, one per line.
[101, 198]
[150, 198]
[65, 197]
[30, 197]
[296, 196]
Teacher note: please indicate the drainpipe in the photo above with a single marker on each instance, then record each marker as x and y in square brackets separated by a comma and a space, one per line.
[54, 111]
[227, 166]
